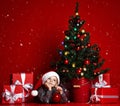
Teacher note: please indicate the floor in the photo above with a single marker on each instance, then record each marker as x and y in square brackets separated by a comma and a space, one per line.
[68, 104]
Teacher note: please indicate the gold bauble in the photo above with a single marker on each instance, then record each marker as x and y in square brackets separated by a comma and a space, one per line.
[73, 65]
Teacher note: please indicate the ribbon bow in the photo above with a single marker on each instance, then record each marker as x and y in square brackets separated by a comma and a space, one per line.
[94, 97]
[25, 86]
[102, 83]
[11, 95]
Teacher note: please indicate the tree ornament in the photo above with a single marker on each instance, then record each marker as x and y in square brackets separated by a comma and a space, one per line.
[82, 38]
[66, 61]
[66, 53]
[73, 65]
[88, 44]
[62, 43]
[79, 70]
[75, 29]
[67, 71]
[84, 69]
[78, 48]
[82, 74]
[76, 13]
[83, 31]
[95, 74]
[67, 37]
[87, 62]
[95, 64]
[66, 46]
[78, 35]
[75, 37]
[60, 52]
[82, 46]
[78, 21]
[56, 98]
[63, 70]
[85, 35]
[78, 24]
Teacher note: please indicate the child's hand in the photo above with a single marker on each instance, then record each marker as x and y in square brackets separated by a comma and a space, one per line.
[59, 89]
[49, 86]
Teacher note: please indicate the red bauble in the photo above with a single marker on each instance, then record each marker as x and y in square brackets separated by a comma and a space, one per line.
[82, 37]
[88, 44]
[78, 48]
[78, 35]
[87, 62]
[78, 71]
[66, 61]
[56, 97]
[95, 64]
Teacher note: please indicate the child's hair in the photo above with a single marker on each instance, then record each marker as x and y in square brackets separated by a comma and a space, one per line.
[50, 74]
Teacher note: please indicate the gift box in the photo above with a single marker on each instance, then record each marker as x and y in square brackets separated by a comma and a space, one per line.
[26, 81]
[102, 81]
[12, 94]
[104, 95]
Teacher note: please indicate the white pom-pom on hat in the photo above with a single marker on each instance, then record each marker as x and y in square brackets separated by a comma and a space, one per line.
[50, 74]
[34, 92]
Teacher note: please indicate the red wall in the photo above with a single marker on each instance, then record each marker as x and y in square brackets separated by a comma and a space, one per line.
[31, 32]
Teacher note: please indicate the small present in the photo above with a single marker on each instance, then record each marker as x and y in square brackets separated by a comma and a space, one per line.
[102, 81]
[25, 80]
[12, 94]
[104, 95]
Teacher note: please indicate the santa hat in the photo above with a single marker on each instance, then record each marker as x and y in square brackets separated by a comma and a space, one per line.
[50, 74]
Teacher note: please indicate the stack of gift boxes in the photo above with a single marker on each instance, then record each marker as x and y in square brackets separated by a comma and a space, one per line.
[19, 90]
[102, 91]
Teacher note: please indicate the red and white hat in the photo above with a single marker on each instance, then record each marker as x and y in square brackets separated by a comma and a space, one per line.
[50, 74]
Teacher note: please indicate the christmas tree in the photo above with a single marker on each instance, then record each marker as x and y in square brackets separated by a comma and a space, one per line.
[79, 58]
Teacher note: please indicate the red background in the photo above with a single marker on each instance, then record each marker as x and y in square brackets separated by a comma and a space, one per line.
[31, 32]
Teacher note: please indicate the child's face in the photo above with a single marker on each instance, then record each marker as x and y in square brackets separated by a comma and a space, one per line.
[52, 81]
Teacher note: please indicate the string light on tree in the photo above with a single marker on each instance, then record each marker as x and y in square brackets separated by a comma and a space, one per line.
[73, 65]
[83, 31]
[87, 62]
[66, 46]
[66, 53]
[75, 29]
[88, 45]
[67, 37]
[76, 13]
[82, 74]
[79, 70]
[84, 69]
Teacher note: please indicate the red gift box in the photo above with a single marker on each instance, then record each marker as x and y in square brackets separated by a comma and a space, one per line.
[104, 95]
[12, 94]
[24, 79]
[102, 81]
